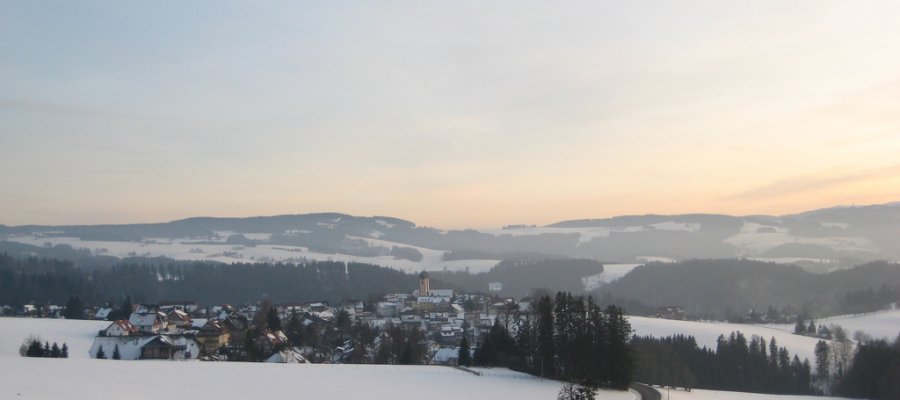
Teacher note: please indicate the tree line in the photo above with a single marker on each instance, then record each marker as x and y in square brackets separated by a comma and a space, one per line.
[736, 364]
[41, 281]
[568, 338]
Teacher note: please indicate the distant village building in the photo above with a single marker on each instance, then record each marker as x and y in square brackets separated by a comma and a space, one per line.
[670, 312]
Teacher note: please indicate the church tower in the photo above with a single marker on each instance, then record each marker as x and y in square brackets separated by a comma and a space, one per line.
[424, 285]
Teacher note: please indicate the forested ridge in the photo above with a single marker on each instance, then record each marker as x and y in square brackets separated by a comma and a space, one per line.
[42, 280]
[725, 288]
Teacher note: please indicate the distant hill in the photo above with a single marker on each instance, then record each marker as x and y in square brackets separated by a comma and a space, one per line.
[727, 288]
[822, 239]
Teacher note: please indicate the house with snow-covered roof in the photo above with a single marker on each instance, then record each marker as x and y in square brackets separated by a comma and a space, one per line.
[149, 322]
[120, 327]
[156, 347]
[178, 319]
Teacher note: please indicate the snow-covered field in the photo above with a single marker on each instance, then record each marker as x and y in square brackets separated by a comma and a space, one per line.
[610, 273]
[878, 325]
[84, 378]
[755, 239]
[885, 324]
[706, 333]
[585, 235]
[698, 394]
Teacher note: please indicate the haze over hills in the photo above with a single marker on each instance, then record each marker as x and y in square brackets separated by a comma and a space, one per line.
[825, 238]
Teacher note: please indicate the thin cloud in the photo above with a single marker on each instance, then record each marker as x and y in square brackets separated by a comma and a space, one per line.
[51, 108]
[810, 183]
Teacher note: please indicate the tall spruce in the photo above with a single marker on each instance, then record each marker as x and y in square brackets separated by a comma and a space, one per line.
[544, 364]
[465, 356]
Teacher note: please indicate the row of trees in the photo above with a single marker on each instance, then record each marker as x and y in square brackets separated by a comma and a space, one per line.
[32, 347]
[736, 364]
[875, 371]
[23, 281]
[568, 338]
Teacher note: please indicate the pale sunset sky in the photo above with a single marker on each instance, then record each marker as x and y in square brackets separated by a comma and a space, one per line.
[449, 114]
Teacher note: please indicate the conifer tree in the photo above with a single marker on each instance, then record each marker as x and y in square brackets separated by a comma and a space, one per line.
[544, 365]
[823, 357]
[100, 354]
[64, 352]
[74, 308]
[54, 351]
[465, 357]
[800, 327]
[273, 320]
[35, 349]
[116, 355]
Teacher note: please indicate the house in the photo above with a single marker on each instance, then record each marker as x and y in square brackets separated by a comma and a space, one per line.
[120, 327]
[446, 356]
[270, 341]
[213, 335]
[670, 312]
[158, 347]
[186, 306]
[149, 322]
[287, 356]
[178, 320]
[165, 347]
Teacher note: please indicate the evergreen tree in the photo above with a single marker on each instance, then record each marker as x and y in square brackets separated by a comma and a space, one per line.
[74, 308]
[874, 372]
[54, 351]
[64, 352]
[46, 350]
[622, 366]
[773, 354]
[100, 354]
[822, 363]
[800, 327]
[124, 310]
[546, 352]
[464, 358]
[35, 349]
[116, 355]
[273, 320]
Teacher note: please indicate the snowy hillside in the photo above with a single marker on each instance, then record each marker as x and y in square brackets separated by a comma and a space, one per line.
[878, 325]
[884, 324]
[189, 249]
[706, 333]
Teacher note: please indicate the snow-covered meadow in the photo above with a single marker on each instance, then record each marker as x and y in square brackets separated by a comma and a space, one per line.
[698, 394]
[706, 333]
[878, 325]
[84, 378]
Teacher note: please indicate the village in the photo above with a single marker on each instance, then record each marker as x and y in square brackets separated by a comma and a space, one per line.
[425, 326]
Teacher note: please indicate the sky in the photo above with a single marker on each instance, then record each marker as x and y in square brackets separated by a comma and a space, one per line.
[449, 114]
